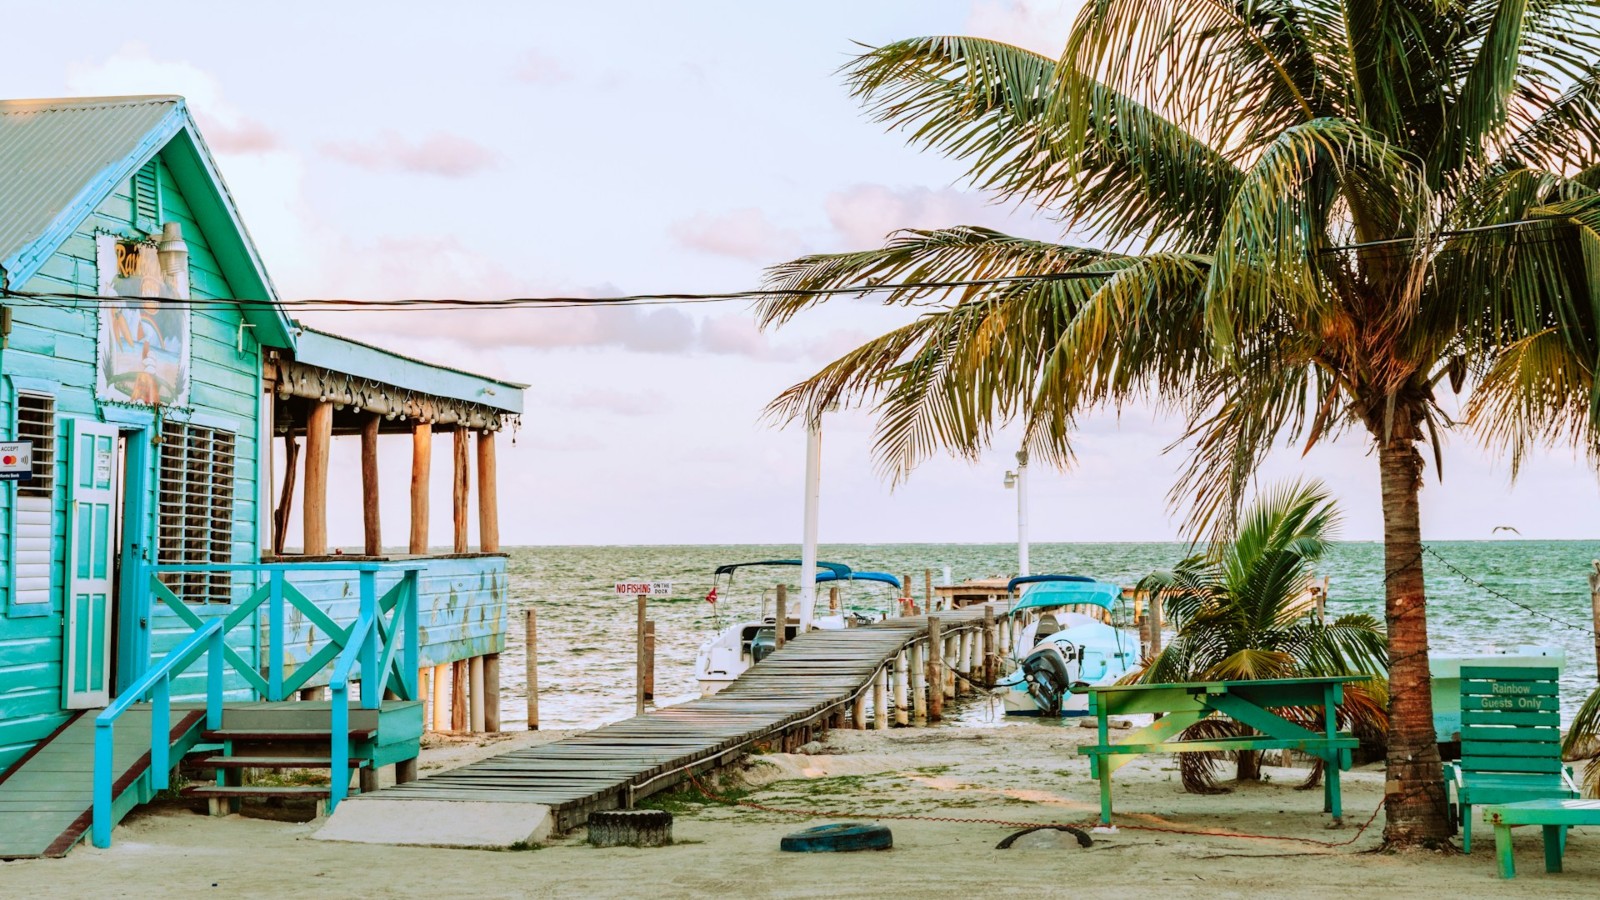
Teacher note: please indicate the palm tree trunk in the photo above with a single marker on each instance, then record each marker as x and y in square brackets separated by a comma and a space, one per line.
[1249, 768]
[1415, 802]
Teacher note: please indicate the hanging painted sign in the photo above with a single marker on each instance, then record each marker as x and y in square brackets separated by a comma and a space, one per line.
[143, 342]
[16, 460]
[649, 588]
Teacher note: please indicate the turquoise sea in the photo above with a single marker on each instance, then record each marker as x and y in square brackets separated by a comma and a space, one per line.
[586, 631]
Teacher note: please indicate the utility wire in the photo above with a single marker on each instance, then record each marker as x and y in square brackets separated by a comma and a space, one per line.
[1454, 569]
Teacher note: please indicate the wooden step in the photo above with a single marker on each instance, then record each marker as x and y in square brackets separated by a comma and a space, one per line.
[303, 735]
[273, 762]
[311, 791]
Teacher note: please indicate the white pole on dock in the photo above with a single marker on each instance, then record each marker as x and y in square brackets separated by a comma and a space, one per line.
[1022, 513]
[808, 546]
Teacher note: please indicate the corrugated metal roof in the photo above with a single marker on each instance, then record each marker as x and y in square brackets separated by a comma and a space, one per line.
[351, 357]
[52, 150]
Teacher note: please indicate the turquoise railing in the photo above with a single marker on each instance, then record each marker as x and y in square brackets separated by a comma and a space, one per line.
[156, 682]
[385, 653]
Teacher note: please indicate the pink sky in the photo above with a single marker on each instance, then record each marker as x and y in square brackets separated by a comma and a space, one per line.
[482, 150]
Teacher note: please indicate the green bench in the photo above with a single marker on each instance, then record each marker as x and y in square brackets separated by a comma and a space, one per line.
[1246, 702]
[1556, 816]
[1510, 743]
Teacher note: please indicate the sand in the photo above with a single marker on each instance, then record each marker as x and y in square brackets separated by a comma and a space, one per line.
[1024, 773]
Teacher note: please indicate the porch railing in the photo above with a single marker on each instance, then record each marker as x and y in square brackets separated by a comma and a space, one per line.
[381, 646]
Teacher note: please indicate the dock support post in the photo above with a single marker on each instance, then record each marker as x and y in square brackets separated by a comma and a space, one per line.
[491, 692]
[421, 459]
[991, 647]
[460, 491]
[901, 671]
[458, 695]
[927, 589]
[833, 600]
[1155, 622]
[880, 699]
[319, 433]
[650, 660]
[488, 496]
[952, 646]
[638, 661]
[780, 628]
[858, 711]
[935, 671]
[1594, 602]
[371, 522]
[963, 662]
[919, 684]
[475, 692]
[531, 666]
[441, 721]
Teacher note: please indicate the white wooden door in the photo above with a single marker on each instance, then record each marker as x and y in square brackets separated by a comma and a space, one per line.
[91, 504]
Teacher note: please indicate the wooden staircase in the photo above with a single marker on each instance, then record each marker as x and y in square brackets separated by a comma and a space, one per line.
[296, 736]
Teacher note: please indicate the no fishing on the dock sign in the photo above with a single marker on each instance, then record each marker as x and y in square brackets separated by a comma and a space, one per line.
[645, 588]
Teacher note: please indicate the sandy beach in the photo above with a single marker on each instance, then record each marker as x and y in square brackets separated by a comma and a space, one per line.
[1025, 773]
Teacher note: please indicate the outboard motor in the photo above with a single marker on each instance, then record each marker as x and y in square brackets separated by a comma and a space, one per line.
[763, 644]
[1049, 678]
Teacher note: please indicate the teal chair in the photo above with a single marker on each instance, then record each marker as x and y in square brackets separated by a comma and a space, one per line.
[1510, 743]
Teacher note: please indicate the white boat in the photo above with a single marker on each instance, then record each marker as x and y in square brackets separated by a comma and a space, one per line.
[741, 644]
[1079, 633]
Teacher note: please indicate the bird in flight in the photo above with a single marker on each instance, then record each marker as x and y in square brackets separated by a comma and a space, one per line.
[1500, 528]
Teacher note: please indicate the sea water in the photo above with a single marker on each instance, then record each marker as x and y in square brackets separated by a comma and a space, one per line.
[586, 631]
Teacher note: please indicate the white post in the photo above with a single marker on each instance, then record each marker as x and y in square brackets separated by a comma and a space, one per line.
[1022, 513]
[808, 546]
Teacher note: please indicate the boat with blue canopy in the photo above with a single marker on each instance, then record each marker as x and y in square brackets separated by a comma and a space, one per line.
[1079, 632]
[736, 646]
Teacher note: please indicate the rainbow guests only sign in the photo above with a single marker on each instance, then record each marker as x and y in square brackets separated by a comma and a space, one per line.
[16, 460]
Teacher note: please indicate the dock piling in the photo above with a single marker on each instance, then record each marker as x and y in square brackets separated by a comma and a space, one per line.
[650, 660]
[458, 695]
[638, 660]
[880, 699]
[491, 692]
[901, 673]
[531, 667]
[475, 694]
[935, 671]
[919, 684]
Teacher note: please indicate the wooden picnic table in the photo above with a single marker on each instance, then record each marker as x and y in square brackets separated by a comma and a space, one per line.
[1249, 703]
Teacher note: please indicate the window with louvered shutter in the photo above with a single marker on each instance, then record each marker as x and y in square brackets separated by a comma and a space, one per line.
[36, 422]
[196, 498]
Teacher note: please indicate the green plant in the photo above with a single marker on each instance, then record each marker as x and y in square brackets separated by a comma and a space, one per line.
[1297, 218]
[1238, 613]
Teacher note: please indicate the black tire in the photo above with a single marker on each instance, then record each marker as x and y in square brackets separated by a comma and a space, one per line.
[844, 837]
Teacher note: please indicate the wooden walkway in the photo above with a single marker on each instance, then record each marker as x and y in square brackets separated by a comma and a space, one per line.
[780, 701]
[45, 798]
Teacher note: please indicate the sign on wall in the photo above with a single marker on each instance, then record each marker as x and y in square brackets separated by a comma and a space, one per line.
[16, 460]
[144, 342]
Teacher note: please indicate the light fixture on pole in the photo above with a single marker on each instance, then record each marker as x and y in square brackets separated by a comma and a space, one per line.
[1018, 480]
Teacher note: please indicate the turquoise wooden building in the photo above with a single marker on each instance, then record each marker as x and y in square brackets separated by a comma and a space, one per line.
[151, 374]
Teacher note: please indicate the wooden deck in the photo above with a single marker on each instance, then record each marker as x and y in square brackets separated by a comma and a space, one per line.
[45, 798]
[779, 702]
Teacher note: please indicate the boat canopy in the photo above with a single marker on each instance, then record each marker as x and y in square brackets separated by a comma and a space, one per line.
[1066, 590]
[838, 570]
[1012, 585]
[883, 577]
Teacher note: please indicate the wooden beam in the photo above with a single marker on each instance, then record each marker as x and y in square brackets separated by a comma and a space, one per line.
[291, 465]
[319, 434]
[371, 524]
[488, 496]
[421, 457]
[462, 482]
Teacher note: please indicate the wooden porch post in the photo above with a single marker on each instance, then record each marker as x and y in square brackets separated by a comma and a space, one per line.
[319, 434]
[488, 496]
[421, 456]
[280, 516]
[462, 482]
[372, 525]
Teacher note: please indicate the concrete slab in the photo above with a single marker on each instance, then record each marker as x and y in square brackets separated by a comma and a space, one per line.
[438, 823]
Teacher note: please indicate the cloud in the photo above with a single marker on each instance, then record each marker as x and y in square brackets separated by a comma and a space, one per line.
[745, 234]
[133, 70]
[1038, 25]
[535, 67]
[621, 403]
[864, 214]
[445, 155]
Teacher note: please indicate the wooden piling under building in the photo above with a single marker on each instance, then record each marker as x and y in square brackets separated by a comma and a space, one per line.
[817, 680]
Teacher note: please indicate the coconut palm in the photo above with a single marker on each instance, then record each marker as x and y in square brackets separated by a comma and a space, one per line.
[1238, 613]
[1297, 218]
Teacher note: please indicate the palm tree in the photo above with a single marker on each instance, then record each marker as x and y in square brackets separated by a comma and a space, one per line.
[1237, 613]
[1299, 217]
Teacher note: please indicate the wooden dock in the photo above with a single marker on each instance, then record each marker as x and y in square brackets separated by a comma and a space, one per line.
[816, 681]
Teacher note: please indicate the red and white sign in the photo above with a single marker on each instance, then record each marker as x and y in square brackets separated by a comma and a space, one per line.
[647, 588]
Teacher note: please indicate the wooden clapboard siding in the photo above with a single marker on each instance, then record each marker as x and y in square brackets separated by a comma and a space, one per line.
[59, 345]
